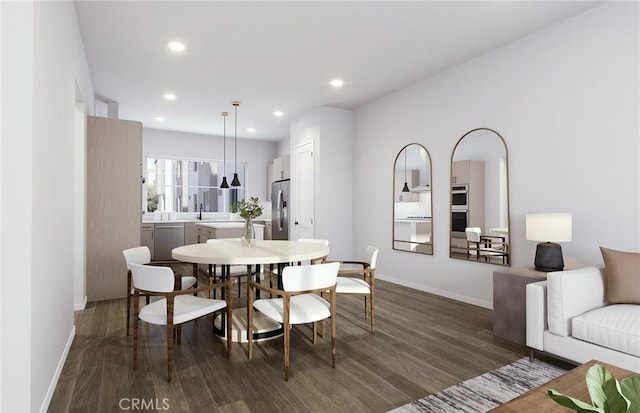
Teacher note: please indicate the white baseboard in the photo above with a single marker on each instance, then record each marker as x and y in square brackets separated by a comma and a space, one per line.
[81, 305]
[56, 375]
[436, 291]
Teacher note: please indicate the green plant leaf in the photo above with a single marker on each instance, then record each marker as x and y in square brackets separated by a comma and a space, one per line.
[596, 377]
[570, 402]
[615, 402]
[630, 388]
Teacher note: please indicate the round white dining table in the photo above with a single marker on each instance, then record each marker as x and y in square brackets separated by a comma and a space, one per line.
[231, 252]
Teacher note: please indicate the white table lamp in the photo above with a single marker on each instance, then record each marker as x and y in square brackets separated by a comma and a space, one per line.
[549, 228]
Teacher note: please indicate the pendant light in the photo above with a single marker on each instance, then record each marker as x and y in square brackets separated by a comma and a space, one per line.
[406, 187]
[235, 181]
[224, 183]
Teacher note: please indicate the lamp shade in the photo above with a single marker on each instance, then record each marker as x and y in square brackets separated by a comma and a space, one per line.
[550, 227]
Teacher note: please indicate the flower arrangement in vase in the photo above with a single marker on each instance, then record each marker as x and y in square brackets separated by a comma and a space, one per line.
[249, 210]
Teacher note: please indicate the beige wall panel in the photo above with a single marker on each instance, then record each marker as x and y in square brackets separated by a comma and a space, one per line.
[114, 153]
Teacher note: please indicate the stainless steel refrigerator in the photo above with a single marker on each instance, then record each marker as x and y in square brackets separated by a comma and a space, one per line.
[280, 209]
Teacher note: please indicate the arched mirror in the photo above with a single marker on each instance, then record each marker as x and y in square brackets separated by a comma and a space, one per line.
[480, 198]
[412, 225]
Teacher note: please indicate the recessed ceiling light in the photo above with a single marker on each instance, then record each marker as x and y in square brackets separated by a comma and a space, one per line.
[278, 113]
[251, 130]
[176, 46]
[160, 119]
[169, 96]
[337, 82]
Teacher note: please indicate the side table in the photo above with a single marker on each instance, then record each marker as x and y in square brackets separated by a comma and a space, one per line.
[509, 301]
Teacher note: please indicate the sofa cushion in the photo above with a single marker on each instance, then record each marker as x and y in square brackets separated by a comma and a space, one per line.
[614, 326]
[622, 271]
[571, 293]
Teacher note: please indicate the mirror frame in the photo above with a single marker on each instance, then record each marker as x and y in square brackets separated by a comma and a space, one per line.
[508, 197]
[393, 209]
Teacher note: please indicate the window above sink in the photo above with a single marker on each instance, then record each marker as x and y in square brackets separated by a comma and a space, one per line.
[184, 185]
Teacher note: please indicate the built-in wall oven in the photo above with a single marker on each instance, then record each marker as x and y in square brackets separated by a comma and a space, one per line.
[459, 221]
[459, 196]
[459, 209]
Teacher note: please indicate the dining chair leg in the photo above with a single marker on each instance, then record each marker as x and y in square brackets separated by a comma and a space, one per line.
[323, 323]
[229, 317]
[128, 301]
[135, 330]
[169, 339]
[333, 328]
[211, 280]
[250, 321]
[287, 337]
[371, 304]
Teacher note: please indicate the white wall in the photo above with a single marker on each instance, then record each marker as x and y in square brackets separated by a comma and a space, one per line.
[256, 153]
[331, 130]
[284, 146]
[47, 59]
[566, 102]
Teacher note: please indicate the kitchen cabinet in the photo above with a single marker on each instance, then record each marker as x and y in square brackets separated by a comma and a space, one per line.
[281, 168]
[413, 179]
[114, 191]
[225, 230]
[269, 180]
[460, 172]
[267, 229]
[190, 233]
[471, 173]
[468, 172]
[147, 238]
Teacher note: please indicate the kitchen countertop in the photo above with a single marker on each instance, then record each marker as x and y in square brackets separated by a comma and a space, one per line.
[225, 224]
[412, 220]
[200, 221]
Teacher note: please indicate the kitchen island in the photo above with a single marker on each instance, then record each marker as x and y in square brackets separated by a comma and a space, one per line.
[413, 234]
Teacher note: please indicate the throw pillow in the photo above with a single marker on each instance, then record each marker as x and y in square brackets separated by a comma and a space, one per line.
[622, 272]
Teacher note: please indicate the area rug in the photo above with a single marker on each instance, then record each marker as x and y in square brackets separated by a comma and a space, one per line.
[483, 393]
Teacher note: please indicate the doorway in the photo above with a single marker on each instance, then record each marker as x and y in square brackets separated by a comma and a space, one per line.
[304, 190]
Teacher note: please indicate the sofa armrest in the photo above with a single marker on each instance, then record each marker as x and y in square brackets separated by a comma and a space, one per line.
[536, 296]
[571, 293]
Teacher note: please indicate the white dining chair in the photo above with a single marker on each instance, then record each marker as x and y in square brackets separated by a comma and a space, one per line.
[299, 302]
[142, 255]
[485, 246]
[176, 306]
[273, 273]
[357, 277]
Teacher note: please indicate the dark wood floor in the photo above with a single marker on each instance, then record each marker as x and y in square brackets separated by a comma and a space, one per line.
[423, 343]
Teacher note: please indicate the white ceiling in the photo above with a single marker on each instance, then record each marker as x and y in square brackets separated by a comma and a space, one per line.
[282, 55]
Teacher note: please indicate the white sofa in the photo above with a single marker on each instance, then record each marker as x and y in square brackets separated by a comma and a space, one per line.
[568, 317]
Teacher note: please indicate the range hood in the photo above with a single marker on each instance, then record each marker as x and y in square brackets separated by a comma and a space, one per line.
[421, 188]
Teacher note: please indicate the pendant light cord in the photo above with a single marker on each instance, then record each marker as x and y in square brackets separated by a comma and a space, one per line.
[235, 161]
[236, 181]
[224, 184]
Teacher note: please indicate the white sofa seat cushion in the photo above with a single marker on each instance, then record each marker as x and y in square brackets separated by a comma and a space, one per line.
[613, 326]
[351, 285]
[305, 308]
[186, 308]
